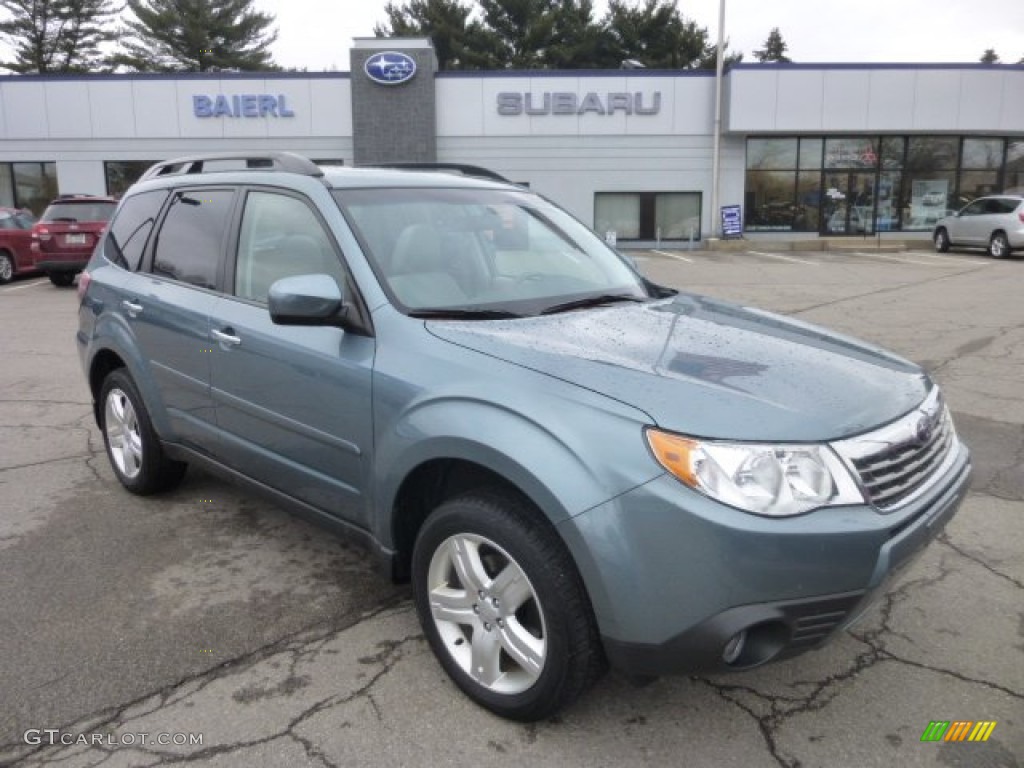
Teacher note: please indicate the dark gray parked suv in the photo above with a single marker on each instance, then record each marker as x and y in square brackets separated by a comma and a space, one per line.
[573, 466]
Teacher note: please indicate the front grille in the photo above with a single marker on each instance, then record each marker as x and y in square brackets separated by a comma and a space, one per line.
[897, 461]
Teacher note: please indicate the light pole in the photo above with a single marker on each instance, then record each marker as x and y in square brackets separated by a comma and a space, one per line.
[716, 150]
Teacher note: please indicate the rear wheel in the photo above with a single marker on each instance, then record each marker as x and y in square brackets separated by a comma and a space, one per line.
[941, 240]
[132, 446]
[999, 246]
[62, 279]
[503, 606]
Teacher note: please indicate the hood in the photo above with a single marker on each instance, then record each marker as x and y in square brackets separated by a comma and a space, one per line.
[709, 368]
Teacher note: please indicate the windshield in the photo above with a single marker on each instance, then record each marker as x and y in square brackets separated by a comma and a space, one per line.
[489, 252]
[92, 211]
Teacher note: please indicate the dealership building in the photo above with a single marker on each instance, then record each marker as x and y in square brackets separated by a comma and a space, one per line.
[806, 149]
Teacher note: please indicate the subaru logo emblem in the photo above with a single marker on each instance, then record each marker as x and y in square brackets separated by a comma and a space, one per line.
[923, 430]
[390, 68]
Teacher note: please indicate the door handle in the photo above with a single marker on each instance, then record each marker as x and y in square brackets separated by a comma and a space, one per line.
[131, 307]
[226, 337]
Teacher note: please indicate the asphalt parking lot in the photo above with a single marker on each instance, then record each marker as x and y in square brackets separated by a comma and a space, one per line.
[208, 612]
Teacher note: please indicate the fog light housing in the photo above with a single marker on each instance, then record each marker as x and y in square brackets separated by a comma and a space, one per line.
[734, 647]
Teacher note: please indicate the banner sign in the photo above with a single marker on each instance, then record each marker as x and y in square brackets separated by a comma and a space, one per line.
[732, 221]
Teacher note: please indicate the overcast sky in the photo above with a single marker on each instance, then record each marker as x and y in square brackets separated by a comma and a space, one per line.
[317, 33]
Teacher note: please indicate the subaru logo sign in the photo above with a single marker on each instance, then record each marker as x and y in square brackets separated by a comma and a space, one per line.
[390, 68]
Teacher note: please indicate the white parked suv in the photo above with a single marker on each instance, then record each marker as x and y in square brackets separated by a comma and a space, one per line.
[995, 223]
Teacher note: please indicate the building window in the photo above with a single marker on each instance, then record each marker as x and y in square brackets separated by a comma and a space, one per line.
[28, 185]
[1013, 179]
[121, 174]
[980, 162]
[929, 180]
[648, 215]
[771, 154]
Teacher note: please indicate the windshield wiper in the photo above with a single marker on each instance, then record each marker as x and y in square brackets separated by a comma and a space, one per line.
[591, 301]
[463, 314]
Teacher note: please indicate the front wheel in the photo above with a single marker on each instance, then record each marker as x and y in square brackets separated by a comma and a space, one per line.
[941, 240]
[62, 279]
[6, 267]
[999, 246]
[503, 606]
[132, 446]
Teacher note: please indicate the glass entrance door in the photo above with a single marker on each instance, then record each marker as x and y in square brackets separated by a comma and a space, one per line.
[849, 207]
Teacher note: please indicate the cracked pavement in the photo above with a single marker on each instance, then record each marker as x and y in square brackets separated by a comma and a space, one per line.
[208, 611]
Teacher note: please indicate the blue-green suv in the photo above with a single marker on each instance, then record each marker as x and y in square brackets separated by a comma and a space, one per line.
[573, 465]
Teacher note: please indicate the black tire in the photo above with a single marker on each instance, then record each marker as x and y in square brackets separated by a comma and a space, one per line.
[150, 471]
[6, 267]
[999, 246]
[61, 279]
[941, 240]
[508, 533]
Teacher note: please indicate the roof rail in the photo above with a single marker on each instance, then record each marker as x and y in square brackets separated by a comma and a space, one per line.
[465, 170]
[222, 161]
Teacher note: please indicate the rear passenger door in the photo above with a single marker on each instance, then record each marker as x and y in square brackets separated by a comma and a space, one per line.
[293, 403]
[168, 307]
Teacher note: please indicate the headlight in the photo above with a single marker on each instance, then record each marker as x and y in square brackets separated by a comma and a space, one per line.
[766, 479]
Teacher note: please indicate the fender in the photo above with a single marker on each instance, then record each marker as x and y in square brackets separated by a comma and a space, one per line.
[563, 471]
[112, 332]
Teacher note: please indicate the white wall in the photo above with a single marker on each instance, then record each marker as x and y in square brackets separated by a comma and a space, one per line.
[467, 106]
[865, 98]
[145, 107]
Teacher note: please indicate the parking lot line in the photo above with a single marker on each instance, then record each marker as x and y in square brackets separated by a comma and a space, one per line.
[937, 257]
[895, 259]
[671, 255]
[784, 258]
[23, 286]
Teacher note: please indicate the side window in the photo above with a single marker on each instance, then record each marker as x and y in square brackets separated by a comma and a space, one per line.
[188, 246]
[974, 209]
[131, 227]
[280, 237]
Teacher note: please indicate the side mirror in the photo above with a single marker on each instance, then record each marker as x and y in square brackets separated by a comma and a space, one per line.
[307, 300]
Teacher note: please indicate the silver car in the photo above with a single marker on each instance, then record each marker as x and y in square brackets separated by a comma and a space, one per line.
[995, 223]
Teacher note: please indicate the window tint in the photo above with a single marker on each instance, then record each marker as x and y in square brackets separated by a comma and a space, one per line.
[131, 227]
[188, 247]
[87, 211]
[280, 237]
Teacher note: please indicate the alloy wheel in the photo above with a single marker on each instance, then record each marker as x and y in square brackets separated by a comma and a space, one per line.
[124, 437]
[487, 613]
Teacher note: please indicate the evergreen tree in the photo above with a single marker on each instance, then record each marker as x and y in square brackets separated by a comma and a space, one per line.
[554, 34]
[197, 36]
[578, 41]
[460, 42]
[774, 48]
[656, 34]
[989, 57]
[56, 36]
[521, 32]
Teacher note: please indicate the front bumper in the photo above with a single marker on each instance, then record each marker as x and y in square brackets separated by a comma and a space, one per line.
[674, 577]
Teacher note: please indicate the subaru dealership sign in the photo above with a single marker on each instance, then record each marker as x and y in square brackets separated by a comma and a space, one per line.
[390, 68]
[241, 105]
